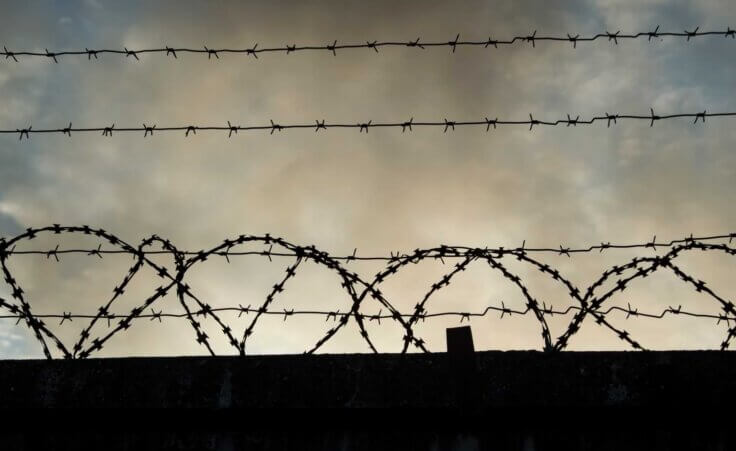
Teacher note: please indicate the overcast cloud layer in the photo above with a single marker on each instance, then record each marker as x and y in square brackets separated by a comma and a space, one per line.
[382, 191]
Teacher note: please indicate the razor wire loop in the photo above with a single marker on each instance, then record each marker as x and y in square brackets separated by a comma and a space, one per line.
[590, 304]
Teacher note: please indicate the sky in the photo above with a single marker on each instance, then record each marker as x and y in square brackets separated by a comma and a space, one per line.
[378, 192]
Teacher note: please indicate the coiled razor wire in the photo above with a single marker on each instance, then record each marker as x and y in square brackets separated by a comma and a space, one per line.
[590, 301]
[213, 54]
[445, 124]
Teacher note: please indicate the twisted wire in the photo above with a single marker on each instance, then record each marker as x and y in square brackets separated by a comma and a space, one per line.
[394, 256]
[148, 130]
[213, 54]
[590, 301]
[504, 311]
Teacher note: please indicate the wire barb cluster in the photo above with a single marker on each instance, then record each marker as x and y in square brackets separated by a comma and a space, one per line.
[445, 124]
[588, 303]
[375, 45]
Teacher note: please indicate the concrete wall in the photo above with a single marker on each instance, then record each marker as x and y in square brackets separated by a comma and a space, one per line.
[490, 400]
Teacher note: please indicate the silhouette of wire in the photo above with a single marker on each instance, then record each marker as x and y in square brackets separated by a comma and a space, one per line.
[213, 54]
[394, 256]
[334, 314]
[590, 301]
[365, 126]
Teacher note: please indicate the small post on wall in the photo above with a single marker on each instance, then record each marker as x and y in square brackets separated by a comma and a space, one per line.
[463, 371]
[460, 341]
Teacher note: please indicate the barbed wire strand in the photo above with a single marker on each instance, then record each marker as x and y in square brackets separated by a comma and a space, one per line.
[333, 46]
[505, 311]
[560, 250]
[148, 130]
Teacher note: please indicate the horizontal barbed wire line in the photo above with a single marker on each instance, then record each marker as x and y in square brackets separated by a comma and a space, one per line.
[375, 45]
[560, 250]
[359, 290]
[365, 126]
[334, 314]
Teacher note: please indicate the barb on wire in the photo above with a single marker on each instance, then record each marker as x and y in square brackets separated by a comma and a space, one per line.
[531, 38]
[9, 54]
[318, 125]
[52, 56]
[589, 302]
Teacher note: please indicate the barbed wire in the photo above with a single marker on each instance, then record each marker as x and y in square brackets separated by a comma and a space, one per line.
[394, 256]
[213, 54]
[590, 301]
[365, 126]
[334, 314]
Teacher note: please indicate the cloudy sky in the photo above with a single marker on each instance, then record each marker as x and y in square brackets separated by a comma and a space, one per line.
[377, 192]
